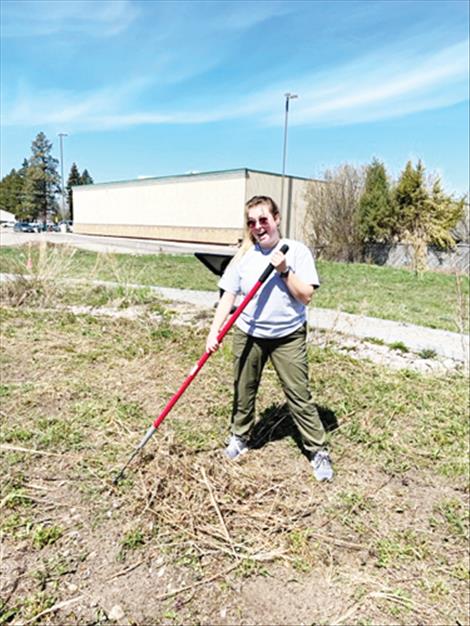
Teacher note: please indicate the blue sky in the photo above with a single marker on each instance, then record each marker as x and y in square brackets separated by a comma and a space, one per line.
[154, 88]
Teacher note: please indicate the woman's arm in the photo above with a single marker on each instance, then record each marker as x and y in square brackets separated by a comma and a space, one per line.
[223, 309]
[301, 290]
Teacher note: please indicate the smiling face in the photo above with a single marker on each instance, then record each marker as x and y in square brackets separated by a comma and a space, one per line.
[263, 226]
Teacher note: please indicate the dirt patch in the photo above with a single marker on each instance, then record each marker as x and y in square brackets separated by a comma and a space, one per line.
[189, 537]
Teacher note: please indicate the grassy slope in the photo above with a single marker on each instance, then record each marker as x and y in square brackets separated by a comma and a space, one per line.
[434, 300]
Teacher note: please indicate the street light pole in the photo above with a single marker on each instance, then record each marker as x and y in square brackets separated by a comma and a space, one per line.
[288, 96]
[61, 136]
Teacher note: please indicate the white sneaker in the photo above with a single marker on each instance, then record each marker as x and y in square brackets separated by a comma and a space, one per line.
[322, 467]
[236, 447]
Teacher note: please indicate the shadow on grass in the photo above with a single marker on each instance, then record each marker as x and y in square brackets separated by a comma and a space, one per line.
[276, 423]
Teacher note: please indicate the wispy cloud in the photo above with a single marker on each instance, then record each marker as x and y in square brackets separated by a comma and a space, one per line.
[38, 18]
[373, 87]
[384, 86]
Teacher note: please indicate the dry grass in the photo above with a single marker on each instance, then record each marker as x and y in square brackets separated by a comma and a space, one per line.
[189, 537]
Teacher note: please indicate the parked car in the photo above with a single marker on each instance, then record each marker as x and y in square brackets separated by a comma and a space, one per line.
[40, 227]
[23, 227]
[66, 226]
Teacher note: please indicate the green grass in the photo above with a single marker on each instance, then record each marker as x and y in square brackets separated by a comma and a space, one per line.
[435, 300]
[182, 271]
[46, 536]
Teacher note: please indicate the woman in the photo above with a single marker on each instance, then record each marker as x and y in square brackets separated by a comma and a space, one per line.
[273, 325]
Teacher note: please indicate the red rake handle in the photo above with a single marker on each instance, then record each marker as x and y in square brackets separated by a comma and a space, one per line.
[223, 331]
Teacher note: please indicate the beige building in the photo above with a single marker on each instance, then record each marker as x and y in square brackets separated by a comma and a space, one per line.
[203, 207]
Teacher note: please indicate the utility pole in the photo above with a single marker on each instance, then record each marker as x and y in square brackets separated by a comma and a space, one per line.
[61, 136]
[288, 96]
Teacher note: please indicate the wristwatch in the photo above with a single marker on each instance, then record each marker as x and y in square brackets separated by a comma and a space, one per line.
[286, 273]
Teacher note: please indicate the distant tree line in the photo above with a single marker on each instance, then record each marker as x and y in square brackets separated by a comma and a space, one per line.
[359, 206]
[33, 191]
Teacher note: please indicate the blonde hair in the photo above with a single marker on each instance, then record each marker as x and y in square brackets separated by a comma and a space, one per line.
[248, 237]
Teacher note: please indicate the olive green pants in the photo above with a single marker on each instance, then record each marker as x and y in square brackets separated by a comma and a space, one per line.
[289, 358]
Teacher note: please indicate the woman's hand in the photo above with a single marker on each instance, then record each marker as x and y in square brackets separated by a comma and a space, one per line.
[211, 342]
[301, 290]
[278, 261]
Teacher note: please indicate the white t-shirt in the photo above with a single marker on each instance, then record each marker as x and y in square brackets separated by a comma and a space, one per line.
[273, 311]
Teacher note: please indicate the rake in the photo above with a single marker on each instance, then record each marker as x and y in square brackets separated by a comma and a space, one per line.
[198, 366]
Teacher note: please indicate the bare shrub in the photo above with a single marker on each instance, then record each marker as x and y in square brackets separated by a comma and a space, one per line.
[331, 218]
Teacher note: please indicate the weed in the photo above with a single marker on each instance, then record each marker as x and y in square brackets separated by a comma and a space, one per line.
[17, 497]
[132, 540]
[46, 536]
[56, 433]
[375, 340]
[7, 614]
[453, 514]
[131, 411]
[52, 570]
[19, 434]
[354, 501]
[16, 526]
[436, 588]
[42, 282]
[191, 559]
[161, 332]
[250, 567]
[301, 549]
[461, 571]
[37, 603]
[401, 547]
[401, 602]
[170, 614]
[427, 353]
[198, 437]
[398, 345]
[5, 390]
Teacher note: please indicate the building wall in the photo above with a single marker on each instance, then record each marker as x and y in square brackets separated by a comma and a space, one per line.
[205, 208]
[201, 208]
[293, 206]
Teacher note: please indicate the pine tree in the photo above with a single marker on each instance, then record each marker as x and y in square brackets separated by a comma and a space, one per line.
[376, 210]
[74, 179]
[424, 217]
[12, 194]
[42, 181]
[444, 214]
[85, 178]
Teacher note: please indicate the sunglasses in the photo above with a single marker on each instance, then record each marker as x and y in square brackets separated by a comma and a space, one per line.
[263, 221]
